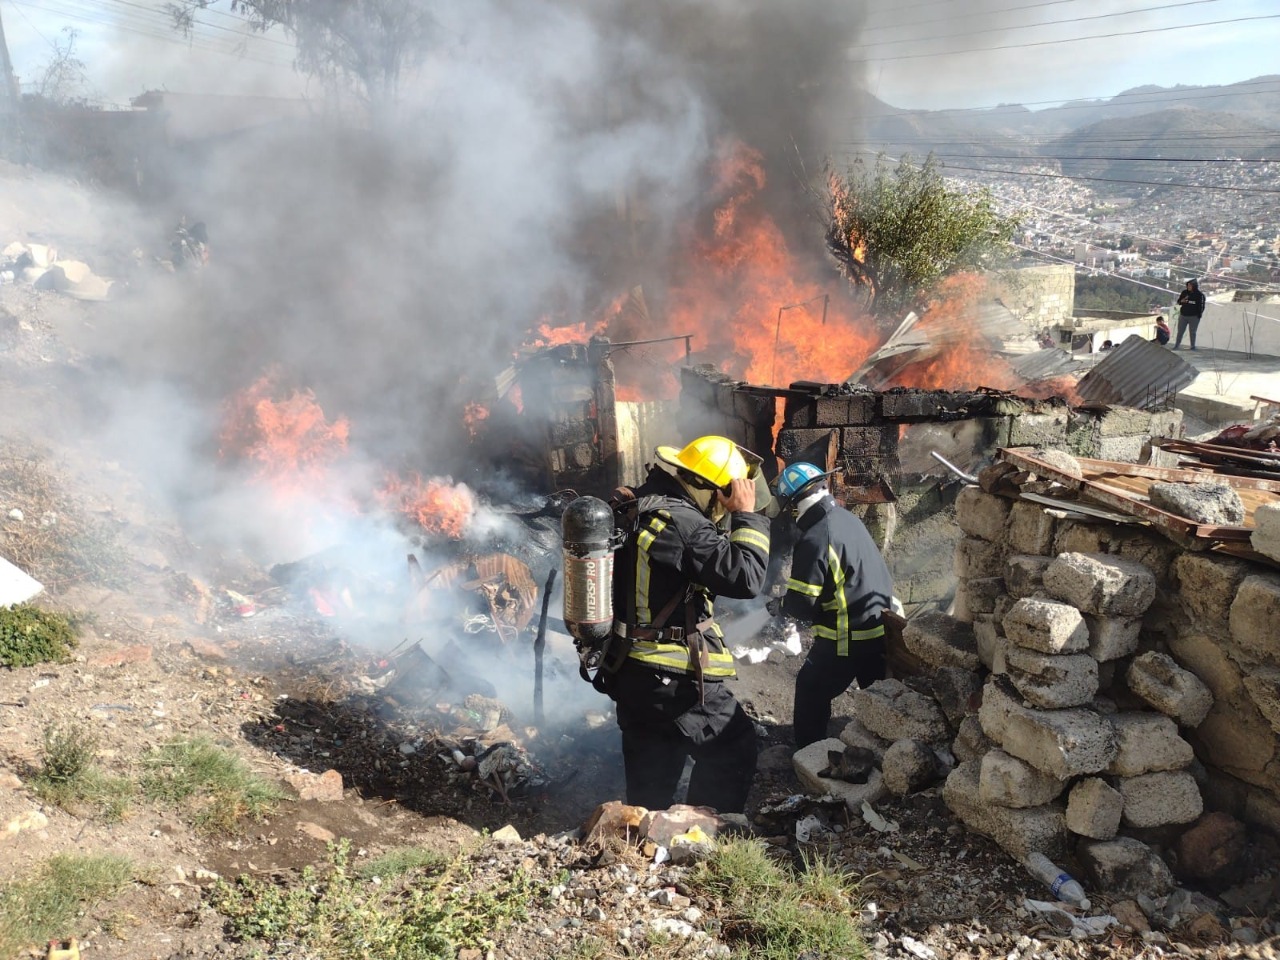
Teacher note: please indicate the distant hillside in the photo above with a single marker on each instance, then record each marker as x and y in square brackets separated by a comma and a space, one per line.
[1256, 100]
[1247, 113]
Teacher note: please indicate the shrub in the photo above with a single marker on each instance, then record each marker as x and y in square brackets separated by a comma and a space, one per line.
[29, 635]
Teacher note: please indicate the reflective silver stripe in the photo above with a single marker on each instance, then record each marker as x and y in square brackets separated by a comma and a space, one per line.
[643, 542]
[751, 537]
[807, 589]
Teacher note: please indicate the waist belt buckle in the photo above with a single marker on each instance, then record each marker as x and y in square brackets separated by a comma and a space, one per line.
[676, 634]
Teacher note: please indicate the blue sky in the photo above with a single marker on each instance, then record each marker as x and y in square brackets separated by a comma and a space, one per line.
[915, 53]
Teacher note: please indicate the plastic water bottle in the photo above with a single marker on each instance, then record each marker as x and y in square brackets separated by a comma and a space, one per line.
[1060, 883]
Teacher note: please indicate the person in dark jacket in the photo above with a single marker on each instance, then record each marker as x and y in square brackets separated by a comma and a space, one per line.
[1191, 309]
[672, 701]
[841, 585]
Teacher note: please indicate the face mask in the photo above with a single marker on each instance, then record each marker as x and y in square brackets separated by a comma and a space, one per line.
[705, 499]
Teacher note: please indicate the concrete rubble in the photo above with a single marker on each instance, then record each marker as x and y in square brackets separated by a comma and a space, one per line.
[38, 264]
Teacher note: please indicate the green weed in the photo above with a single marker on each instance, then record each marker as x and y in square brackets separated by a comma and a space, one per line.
[46, 906]
[211, 783]
[68, 778]
[770, 912]
[396, 863]
[337, 915]
[29, 635]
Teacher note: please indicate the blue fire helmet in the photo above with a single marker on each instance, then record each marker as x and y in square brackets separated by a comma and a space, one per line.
[797, 480]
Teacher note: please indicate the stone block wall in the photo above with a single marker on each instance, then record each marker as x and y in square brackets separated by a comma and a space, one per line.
[714, 403]
[1127, 685]
[1040, 296]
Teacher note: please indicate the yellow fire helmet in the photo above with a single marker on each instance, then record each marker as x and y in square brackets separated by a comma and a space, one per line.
[716, 460]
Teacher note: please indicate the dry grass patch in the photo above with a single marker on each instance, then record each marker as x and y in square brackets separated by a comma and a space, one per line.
[51, 536]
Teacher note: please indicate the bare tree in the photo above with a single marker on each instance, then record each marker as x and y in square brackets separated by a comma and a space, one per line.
[63, 78]
[371, 43]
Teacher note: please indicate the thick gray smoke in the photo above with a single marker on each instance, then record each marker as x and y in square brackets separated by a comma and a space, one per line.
[545, 158]
[539, 164]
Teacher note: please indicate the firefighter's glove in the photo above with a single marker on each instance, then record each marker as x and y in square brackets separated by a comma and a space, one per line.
[774, 607]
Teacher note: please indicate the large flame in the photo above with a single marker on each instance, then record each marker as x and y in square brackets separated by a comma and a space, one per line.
[284, 432]
[437, 504]
[297, 450]
[768, 318]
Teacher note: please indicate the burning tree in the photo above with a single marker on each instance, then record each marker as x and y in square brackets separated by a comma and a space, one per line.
[897, 228]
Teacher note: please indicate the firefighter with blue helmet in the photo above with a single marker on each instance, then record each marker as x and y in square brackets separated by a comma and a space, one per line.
[694, 534]
[841, 585]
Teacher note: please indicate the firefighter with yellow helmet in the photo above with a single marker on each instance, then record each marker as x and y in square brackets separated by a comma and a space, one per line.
[692, 535]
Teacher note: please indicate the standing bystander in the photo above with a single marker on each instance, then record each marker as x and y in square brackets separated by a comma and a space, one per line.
[1191, 309]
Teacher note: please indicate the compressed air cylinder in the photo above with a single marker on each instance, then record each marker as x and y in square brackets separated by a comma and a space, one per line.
[587, 531]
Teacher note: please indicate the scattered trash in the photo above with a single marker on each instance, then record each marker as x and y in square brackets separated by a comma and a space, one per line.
[808, 828]
[918, 949]
[1060, 883]
[877, 822]
[1053, 914]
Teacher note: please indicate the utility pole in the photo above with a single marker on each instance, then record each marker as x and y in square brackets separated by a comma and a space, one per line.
[10, 104]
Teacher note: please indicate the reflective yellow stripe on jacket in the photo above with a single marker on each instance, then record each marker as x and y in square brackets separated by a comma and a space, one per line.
[675, 656]
[752, 538]
[839, 604]
[644, 541]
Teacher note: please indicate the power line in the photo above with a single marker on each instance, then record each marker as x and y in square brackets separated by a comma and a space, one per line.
[134, 25]
[960, 16]
[1034, 26]
[1147, 183]
[1099, 36]
[1092, 102]
[1043, 157]
[1063, 215]
[1119, 276]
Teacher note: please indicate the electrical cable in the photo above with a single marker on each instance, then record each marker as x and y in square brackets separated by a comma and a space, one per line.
[1048, 43]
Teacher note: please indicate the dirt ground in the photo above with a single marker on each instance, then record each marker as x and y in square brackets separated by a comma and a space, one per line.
[166, 653]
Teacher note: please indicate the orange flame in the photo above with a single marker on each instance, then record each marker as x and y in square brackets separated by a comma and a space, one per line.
[545, 335]
[288, 435]
[757, 303]
[753, 307]
[438, 505]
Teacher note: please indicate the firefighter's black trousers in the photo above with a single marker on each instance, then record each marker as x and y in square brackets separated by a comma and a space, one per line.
[824, 676]
[663, 723]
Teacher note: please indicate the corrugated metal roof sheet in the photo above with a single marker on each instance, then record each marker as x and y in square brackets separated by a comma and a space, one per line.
[1044, 363]
[1137, 373]
[922, 337]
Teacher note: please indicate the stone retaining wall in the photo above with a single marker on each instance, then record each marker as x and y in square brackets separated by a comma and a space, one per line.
[1127, 684]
